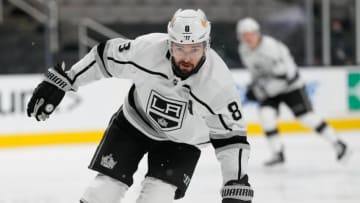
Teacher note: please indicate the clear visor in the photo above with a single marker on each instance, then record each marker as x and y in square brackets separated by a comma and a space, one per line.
[187, 50]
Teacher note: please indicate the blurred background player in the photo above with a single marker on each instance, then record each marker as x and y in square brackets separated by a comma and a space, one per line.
[168, 113]
[275, 79]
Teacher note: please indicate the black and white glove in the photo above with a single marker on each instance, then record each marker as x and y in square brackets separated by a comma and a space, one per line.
[49, 93]
[255, 92]
[250, 95]
[237, 191]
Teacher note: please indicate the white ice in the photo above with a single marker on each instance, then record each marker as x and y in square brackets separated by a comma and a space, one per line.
[59, 174]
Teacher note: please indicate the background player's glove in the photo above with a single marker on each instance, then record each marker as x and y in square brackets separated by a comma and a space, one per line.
[250, 95]
[255, 92]
[237, 191]
[49, 93]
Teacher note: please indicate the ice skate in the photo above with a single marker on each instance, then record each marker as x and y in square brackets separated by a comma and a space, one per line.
[276, 159]
[342, 151]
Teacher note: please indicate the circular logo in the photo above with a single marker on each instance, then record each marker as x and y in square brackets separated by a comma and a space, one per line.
[49, 108]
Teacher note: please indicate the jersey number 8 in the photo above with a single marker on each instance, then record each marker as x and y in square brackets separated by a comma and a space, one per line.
[234, 109]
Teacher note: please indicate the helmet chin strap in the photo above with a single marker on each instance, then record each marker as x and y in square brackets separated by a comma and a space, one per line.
[182, 75]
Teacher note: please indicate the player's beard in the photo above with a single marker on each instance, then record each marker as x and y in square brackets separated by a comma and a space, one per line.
[186, 69]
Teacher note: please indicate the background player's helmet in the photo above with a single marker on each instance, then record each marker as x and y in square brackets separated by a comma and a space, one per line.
[189, 27]
[247, 25]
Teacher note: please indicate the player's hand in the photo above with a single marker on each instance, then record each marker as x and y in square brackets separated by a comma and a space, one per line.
[49, 93]
[255, 92]
[250, 95]
[237, 191]
[45, 99]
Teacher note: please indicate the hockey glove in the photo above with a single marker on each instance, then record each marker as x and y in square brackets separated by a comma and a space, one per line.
[250, 95]
[255, 92]
[49, 93]
[237, 191]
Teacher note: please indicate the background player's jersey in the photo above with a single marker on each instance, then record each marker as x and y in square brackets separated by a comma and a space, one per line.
[271, 66]
[160, 104]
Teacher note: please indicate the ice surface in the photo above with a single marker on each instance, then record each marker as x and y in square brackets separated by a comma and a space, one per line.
[59, 174]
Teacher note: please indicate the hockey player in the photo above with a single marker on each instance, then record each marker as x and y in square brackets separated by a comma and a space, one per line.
[275, 79]
[182, 96]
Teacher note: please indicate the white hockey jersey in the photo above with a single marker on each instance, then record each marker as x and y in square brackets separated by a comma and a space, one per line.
[160, 104]
[271, 66]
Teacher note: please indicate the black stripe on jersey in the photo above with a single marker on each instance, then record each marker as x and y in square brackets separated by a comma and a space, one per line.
[83, 71]
[281, 77]
[292, 80]
[132, 104]
[100, 50]
[198, 100]
[239, 172]
[203, 143]
[139, 67]
[208, 108]
[289, 81]
[223, 122]
[218, 143]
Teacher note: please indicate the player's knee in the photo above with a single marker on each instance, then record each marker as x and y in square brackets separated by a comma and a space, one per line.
[104, 189]
[268, 118]
[155, 190]
[311, 120]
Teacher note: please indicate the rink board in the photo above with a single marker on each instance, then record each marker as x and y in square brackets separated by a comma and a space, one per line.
[83, 116]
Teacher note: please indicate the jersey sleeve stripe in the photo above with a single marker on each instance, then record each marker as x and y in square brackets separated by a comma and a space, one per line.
[239, 170]
[289, 81]
[82, 71]
[100, 57]
[294, 79]
[208, 108]
[203, 143]
[281, 77]
[220, 143]
[223, 123]
[138, 66]
[229, 134]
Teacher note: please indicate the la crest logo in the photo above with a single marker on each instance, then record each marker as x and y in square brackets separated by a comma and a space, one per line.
[167, 113]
